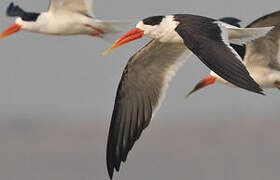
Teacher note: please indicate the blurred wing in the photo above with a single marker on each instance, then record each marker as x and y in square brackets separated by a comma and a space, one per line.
[265, 51]
[208, 40]
[141, 89]
[81, 6]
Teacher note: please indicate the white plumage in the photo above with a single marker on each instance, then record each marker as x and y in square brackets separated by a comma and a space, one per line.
[64, 17]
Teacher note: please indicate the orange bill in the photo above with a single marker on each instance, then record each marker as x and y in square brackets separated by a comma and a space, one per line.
[203, 83]
[132, 35]
[10, 30]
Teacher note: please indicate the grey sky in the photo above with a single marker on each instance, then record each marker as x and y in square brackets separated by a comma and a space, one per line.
[69, 76]
[51, 82]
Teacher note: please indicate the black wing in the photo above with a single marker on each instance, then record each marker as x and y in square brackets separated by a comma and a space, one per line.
[231, 20]
[204, 37]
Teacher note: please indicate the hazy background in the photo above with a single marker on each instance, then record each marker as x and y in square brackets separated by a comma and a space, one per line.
[57, 94]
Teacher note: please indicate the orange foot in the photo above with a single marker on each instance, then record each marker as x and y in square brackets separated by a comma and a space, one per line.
[277, 83]
[98, 32]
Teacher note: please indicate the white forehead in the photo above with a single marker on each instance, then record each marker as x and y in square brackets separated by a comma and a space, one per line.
[18, 20]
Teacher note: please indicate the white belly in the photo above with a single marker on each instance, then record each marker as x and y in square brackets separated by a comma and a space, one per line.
[60, 24]
[264, 76]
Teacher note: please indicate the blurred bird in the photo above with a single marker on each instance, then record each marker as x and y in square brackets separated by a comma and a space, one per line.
[147, 73]
[64, 17]
[261, 56]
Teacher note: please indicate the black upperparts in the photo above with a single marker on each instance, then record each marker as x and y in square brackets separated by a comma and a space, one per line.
[154, 20]
[240, 49]
[204, 38]
[16, 11]
[231, 20]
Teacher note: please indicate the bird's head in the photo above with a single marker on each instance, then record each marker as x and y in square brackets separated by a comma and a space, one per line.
[24, 20]
[159, 28]
[19, 24]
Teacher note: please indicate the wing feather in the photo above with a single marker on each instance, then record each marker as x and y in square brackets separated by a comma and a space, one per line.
[265, 51]
[80, 6]
[208, 40]
[140, 91]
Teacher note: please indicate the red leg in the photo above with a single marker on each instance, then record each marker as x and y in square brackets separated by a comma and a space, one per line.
[95, 35]
[98, 31]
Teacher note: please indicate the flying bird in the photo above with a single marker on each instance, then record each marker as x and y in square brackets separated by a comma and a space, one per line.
[261, 57]
[64, 17]
[147, 73]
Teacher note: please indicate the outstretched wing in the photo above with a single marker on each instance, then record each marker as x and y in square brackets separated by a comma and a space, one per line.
[81, 6]
[208, 40]
[141, 89]
[265, 51]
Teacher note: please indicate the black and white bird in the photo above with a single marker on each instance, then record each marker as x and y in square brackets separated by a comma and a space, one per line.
[147, 73]
[261, 57]
[64, 17]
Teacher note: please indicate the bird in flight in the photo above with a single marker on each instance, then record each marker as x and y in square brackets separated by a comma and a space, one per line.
[64, 17]
[147, 73]
[261, 57]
